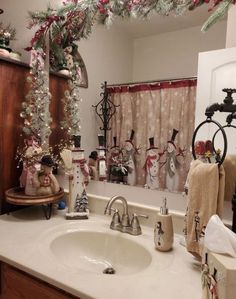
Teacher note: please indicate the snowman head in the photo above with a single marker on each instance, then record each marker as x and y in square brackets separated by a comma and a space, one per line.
[170, 147]
[128, 146]
[129, 142]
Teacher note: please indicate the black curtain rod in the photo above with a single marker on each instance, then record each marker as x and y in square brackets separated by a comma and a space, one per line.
[152, 81]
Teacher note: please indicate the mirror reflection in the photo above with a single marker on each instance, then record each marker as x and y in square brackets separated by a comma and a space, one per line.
[162, 122]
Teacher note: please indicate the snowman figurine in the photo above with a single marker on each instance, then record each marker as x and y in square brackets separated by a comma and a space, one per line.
[172, 164]
[101, 159]
[31, 165]
[129, 151]
[44, 181]
[151, 166]
[78, 180]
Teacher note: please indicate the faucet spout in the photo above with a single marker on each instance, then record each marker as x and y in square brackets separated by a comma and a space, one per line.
[112, 200]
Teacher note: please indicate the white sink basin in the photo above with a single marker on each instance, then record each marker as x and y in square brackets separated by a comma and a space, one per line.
[95, 251]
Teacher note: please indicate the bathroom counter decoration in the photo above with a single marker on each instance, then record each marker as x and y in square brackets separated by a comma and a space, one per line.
[163, 231]
[77, 172]
[16, 196]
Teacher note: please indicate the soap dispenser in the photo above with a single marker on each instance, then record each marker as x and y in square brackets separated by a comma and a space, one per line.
[163, 232]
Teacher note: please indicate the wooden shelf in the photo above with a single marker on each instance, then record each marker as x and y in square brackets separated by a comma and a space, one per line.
[16, 196]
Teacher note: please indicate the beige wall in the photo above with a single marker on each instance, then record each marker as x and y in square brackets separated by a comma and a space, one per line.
[108, 56]
[174, 54]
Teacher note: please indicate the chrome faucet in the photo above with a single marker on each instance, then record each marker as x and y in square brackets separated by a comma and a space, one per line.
[124, 225]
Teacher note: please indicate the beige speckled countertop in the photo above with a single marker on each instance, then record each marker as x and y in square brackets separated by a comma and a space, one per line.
[170, 275]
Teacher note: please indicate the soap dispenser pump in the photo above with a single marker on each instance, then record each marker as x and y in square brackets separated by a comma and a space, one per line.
[163, 231]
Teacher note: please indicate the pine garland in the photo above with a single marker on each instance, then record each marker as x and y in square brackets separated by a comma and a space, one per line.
[75, 19]
[220, 12]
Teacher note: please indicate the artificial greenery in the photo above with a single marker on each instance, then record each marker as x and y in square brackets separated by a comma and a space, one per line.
[75, 19]
[72, 100]
[35, 108]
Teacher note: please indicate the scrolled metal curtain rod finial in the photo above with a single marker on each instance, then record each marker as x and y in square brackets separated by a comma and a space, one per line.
[105, 109]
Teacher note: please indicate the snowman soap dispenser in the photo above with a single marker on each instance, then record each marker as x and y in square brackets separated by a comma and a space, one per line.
[163, 232]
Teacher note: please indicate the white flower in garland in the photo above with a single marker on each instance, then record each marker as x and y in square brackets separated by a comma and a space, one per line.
[71, 101]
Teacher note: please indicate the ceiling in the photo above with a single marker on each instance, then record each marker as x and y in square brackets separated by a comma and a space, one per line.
[157, 24]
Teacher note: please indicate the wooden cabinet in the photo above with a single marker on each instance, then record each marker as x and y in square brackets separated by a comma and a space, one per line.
[13, 89]
[16, 284]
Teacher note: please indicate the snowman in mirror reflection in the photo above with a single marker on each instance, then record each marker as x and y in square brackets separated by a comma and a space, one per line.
[129, 160]
[101, 159]
[172, 154]
[151, 166]
[172, 164]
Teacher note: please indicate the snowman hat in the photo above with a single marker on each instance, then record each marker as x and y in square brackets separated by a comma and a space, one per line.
[101, 142]
[47, 161]
[151, 142]
[172, 140]
[131, 138]
[93, 155]
[114, 141]
[77, 140]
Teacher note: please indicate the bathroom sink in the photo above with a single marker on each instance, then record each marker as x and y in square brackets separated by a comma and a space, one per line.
[100, 252]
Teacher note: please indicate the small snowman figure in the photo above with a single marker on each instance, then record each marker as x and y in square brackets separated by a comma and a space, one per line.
[151, 165]
[129, 152]
[78, 179]
[44, 181]
[31, 164]
[101, 159]
[92, 164]
[172, 164]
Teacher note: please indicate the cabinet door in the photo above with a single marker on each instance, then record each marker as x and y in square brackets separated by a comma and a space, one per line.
[16, 284]
[216, 70]
[13, 89]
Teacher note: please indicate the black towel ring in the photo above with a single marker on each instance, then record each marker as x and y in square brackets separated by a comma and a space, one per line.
[220, 128]
[225, 126]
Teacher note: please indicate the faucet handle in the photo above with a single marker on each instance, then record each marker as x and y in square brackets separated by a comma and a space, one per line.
[135, 225]
[115, 222]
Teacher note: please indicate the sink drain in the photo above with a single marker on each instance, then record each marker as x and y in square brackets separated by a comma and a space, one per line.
[109, 270]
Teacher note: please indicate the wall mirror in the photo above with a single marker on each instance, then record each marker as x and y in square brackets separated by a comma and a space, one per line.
[131, 51]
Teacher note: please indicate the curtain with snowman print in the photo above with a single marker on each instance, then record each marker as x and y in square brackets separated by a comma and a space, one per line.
[160, 117]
